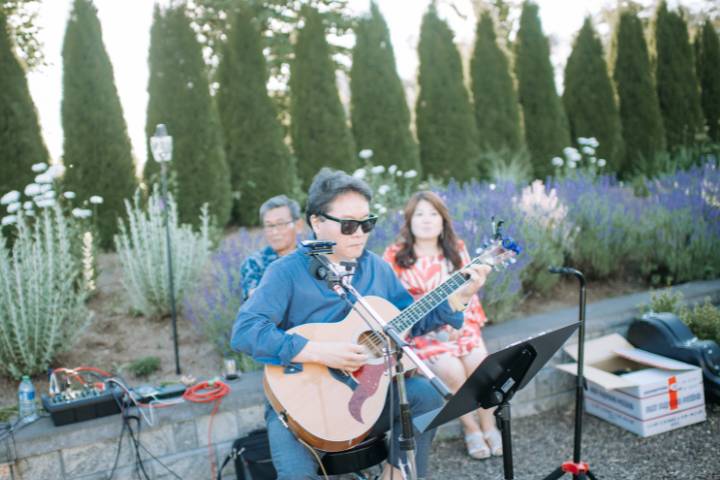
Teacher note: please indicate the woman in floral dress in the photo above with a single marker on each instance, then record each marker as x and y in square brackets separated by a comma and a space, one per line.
[425, 255]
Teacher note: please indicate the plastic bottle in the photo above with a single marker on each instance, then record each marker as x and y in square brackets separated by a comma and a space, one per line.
[26, 400]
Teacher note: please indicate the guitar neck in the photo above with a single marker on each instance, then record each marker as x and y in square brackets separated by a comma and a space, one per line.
[415, 312]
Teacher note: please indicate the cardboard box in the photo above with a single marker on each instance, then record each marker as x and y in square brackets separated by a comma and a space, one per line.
[638, 390]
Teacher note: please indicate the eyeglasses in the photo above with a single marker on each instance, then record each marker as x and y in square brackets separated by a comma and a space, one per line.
[280, 226]
[348, 226]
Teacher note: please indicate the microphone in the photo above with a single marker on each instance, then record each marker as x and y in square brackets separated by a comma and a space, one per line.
[321, 272]
[317, 269]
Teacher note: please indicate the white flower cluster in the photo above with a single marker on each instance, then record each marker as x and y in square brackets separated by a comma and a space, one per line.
[41, 195]
[573, 157]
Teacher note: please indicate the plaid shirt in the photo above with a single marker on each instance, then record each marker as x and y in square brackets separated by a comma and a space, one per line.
[253, 268]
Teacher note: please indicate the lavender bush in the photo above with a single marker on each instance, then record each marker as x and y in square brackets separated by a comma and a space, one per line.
[610, 235]
[212, 306]
[686, 225]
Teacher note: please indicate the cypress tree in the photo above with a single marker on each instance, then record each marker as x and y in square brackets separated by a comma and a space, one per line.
[319, 129]
[380, 115]
[588, 96]
[677, 85]
[642, 129]
[546, 131]
[707, 50]
[253, 135]
[496, 104]
[97, 151]
[22, 143]
[179, 97]
[445, 122]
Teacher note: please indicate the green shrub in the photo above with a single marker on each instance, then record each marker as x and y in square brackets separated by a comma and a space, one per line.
[142, 250]
[42, 295]
[703, 319]
[142, 367]
[506, 165]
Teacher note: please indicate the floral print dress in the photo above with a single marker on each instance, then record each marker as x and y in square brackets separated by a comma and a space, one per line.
[426, 274]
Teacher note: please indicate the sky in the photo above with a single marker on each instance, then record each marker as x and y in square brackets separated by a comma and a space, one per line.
[126, 35]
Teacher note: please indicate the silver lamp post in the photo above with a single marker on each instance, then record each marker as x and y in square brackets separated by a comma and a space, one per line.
[161, 146]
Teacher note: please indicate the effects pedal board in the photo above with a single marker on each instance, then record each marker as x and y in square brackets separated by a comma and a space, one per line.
[80, 405]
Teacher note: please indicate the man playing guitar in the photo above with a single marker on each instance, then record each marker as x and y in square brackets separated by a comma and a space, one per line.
[338, 210]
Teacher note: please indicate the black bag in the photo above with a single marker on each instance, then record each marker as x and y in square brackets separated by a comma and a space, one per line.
[665, 334]
[251, 454]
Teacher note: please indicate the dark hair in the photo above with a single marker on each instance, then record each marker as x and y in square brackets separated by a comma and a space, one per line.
[278, 202]
[406, 257]
[327, 186]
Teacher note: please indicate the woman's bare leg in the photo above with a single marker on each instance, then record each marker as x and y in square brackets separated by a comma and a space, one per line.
[470, 362]
[452, 371]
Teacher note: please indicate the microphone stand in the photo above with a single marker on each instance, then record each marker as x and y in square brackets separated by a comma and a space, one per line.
[338, 282]
[578, 469]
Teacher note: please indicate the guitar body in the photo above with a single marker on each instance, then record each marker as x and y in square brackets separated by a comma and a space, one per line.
[325, 407]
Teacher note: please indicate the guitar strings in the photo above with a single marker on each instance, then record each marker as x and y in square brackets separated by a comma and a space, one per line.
[375, 338]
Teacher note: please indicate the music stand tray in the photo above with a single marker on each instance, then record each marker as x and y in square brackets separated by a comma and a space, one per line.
[495, 381]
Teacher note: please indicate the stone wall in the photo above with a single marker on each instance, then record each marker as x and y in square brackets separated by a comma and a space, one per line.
[179, 437]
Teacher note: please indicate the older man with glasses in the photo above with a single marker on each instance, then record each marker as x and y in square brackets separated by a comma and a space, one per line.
[281, 223]
[338, 210]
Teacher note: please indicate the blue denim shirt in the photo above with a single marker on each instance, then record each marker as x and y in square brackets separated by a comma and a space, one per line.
[288, 296]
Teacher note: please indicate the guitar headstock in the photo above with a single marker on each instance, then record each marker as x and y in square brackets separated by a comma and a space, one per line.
[500, 251]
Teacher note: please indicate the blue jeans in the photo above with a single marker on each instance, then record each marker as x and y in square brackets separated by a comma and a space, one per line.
[293, 461]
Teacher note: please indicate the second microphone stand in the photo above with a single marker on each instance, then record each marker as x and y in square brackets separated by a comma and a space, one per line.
[578, 469]
[340, 284]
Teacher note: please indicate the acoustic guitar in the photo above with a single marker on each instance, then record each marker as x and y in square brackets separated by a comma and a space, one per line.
[333, 410]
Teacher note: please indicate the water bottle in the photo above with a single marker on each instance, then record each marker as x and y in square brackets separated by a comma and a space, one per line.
[26, 400]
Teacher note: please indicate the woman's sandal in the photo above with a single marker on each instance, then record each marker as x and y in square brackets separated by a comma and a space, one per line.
[476, 446]
[494, 441]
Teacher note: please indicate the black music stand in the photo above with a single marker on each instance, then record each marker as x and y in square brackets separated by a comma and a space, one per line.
[495, 381]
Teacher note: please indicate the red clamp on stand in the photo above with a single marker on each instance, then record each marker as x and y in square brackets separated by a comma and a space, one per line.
[575, 468]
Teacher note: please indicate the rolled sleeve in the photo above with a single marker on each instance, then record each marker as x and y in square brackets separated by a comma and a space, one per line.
[256, 329]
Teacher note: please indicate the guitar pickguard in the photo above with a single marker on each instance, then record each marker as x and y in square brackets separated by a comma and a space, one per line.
[364, 382]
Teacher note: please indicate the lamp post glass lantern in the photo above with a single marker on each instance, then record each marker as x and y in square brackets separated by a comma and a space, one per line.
[161, 145]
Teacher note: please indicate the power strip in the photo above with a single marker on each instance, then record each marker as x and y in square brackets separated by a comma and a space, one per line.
[148, 393]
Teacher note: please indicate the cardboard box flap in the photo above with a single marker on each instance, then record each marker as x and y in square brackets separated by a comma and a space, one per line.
[653, 360]
[600, 349]
[601, 377]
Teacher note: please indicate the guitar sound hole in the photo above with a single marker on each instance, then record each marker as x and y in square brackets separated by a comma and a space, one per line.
[374, 342]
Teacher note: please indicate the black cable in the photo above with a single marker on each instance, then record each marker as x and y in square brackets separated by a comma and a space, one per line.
[117, 452]
[136, 444]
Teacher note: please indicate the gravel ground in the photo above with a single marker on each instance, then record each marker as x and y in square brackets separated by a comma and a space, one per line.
[542, 442]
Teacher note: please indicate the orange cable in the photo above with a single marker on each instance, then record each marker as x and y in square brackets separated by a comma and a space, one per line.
[206, 392]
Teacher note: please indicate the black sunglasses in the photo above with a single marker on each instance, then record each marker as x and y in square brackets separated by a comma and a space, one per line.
[348, 227]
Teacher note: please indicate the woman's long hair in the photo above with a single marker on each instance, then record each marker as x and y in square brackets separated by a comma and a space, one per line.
[406, 257]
